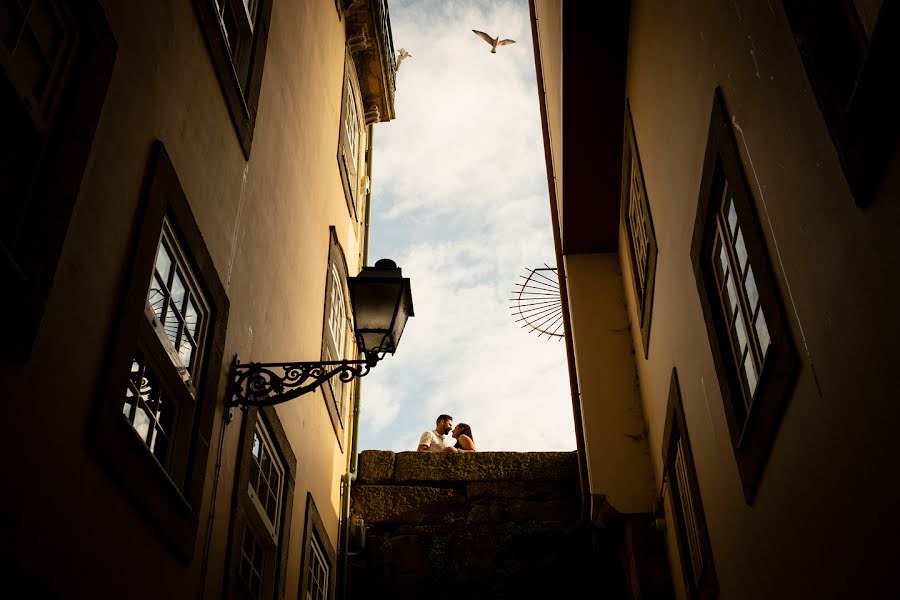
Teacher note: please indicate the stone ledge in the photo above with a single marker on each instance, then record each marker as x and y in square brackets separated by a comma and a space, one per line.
[432, 467]
[376, 466]
[380, 504]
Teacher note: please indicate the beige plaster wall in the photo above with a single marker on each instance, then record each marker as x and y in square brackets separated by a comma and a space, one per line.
[816, 526]
[615, 441]
[266, 224]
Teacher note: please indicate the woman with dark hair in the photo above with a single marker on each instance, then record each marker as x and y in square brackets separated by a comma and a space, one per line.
[464, 439]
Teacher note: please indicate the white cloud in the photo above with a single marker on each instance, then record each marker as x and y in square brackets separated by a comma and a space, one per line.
[460, 201]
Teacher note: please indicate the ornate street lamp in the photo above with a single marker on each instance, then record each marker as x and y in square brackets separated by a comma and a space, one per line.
[381, 301]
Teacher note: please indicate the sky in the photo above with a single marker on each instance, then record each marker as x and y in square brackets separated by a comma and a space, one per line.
[460, 202]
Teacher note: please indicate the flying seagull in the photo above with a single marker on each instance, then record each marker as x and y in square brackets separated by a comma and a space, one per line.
[494, 42]
[402, 54]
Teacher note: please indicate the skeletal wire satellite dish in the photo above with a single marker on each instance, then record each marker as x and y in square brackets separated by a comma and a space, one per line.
[537, 303]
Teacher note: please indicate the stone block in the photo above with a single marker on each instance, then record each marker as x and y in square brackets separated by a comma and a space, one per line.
[375, 466]
[522, 501]
[440, 467]
[387, 504]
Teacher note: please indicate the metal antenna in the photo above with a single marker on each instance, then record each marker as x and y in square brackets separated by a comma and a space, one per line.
[537, 302]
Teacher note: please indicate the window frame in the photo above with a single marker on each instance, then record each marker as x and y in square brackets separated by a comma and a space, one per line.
[643, 293]
[350, 177]
[169, 499]
[683, 484]
[336, 392]
[242, 99]
[751, 440]
[247, 512]
[28, 269]
[314, 532]
[850, 73]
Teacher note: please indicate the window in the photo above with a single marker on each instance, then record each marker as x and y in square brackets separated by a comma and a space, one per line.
[348, 144]
[317, 575]
[690, 524]
[237, 33]
[56, 59]
[158, 403]
[638, 226]
[260, 522]
[160, 393]
[848, 48]
[334, 335]
[752, 349]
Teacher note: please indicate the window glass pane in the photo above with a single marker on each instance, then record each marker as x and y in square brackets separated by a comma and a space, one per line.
[271, 506]
[722, 262]
[141, 421]
[265, 464]
[732, 299]
[129, 403]
[752, 291]
[740, 249]
[159, 443]
[178, 290]
[256, 444]
[163, 262]
[191, 318]
[172, 325]
[156, 296]
[732, 216]
[750, 374]
[186, 352]
[762, 333]
[741, 334]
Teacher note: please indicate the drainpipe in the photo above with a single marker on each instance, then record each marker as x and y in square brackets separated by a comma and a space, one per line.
[561, 272]
[350, 476]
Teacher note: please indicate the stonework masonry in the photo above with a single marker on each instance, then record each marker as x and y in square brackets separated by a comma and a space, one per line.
[486, 525]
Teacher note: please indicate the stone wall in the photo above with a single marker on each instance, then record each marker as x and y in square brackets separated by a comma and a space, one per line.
[484, 525]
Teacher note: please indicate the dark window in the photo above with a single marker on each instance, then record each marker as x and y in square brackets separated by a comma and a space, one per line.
[349, 138]
[849, 50]
[689, 522]
[237, 32]
[56, 59]
[638, 225]
[156, 412]
[317, 574]
[260, 527]
[748, 331]
[335, 334]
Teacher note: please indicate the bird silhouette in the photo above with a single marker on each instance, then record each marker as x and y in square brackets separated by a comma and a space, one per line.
[493, 41]
[401, 55]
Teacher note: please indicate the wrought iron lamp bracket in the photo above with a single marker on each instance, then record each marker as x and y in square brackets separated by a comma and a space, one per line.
[268, 384]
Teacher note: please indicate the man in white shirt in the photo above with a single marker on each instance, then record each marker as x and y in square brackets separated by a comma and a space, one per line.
[433, 441]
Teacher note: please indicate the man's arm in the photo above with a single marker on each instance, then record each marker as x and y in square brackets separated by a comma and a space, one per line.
[424, 440]
[422, 448]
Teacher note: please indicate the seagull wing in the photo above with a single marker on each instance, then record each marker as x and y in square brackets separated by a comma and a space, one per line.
[505, 42]
[484, 36]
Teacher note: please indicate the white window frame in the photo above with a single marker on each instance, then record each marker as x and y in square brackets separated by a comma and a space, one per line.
[268, 447]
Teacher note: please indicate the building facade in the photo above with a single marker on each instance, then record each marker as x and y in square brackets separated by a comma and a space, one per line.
[723, 180]
[187, 184]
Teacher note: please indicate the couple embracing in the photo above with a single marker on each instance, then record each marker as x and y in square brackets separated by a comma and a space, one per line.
[434, 441]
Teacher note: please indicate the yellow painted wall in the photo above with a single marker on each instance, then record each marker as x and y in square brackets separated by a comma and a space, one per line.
[266, 224]
[615, 443]
[818, 518]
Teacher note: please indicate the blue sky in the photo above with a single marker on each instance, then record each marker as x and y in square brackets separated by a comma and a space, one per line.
[460, 202]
